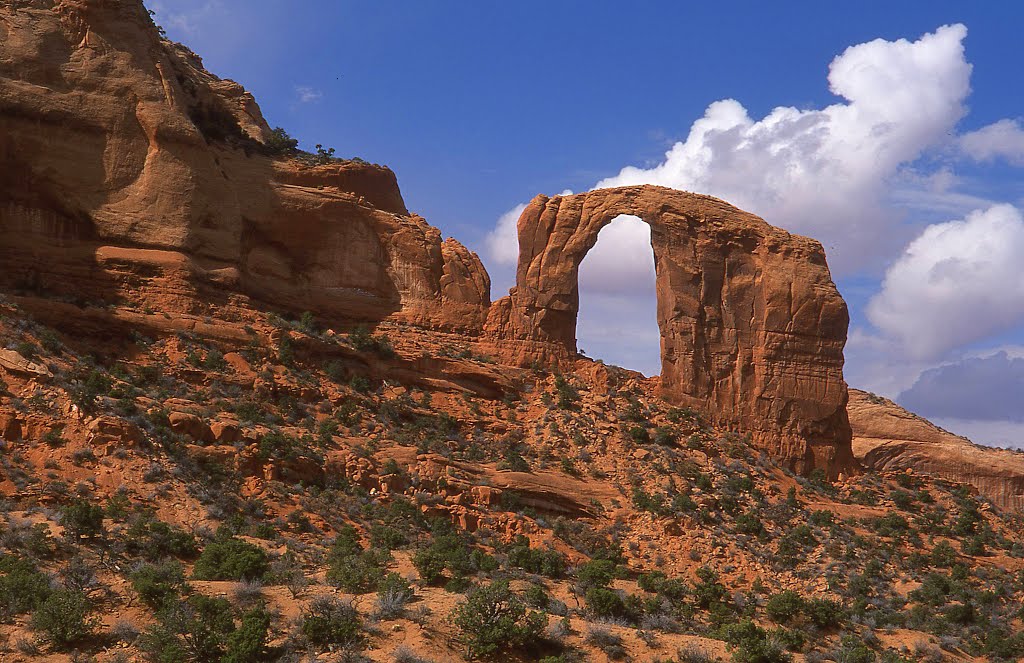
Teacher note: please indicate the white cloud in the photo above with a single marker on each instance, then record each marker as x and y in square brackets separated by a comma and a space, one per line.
[958, 282]
[503, 241]
[308, 94]
[828, 173]
[831, 173]
[1004, 138]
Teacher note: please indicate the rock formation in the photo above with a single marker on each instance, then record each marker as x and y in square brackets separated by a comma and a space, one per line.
[131, 176]
[752, 326]
[887, 437]
[134, 183]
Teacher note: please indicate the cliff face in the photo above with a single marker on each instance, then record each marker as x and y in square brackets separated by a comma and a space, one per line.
[887, 437]
[752, 326]
[124, 164]
[133, 180]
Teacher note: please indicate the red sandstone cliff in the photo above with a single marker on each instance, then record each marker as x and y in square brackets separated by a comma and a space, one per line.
[133, 180]
[887, 437]
[122, 160]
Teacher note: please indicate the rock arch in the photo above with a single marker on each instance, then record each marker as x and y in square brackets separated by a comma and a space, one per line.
[752, 326]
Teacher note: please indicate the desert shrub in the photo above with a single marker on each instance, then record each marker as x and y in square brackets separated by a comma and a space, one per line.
[452, 553]
[280, 143]
[604, 639]
[249, 640]
[193, 630]
[22, 586]
[393, 593]
[493, 618]
[749, 523]
[331, 621]
[603, 602]
[157, 584]
[545, 562]
[361, 339]
[231, 559]
[853, 650]
[353, 569]
[824, 613]
[153, 539]
[596, 573]
[82, 519]
[708, 592]
[943, 555]
[568, 397]
[639, 434]
[63, 617]
[751, 644]
[86, 388]
[649, 502]
[784, 606]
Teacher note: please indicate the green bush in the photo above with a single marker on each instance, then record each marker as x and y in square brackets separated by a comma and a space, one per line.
[603, 602]
[22, 586]
[824, 613]
[249, 640]
[596, 573]
[353, 569]
[64, 618]
[154, 539]
[330, 621]
[452, 553]
[751, 644]
[82, 519]
[493, 618]
[158, 584]
[568, 397]
[545, 562]
[193, 630]
[231, 559]
[784, 606]
[280, 143]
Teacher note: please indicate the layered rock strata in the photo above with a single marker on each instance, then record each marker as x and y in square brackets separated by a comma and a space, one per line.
[887, 437]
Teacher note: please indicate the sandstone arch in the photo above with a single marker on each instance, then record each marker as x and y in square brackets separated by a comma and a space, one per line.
[752, 326]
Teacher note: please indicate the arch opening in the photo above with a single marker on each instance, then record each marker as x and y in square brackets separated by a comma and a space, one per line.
[617, 320]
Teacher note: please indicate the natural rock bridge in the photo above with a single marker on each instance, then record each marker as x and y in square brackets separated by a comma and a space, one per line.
[752, 326]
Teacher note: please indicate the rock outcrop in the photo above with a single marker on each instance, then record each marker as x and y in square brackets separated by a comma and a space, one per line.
[131, 176]
[136, 185]
[752, 326]
[887, 437]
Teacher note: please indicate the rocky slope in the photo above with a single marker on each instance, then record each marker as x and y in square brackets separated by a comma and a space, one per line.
[887, 437]
[132, 179]
[253, 409]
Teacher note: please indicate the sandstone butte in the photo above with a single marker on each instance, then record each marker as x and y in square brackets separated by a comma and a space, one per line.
[132, 180]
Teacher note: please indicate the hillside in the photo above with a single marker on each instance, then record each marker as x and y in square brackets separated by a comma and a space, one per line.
[254, 409]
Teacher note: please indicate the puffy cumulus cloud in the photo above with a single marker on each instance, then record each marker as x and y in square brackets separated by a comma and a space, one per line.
[956, 283]
[1004, 139]
[978, 389]
[829, 172]
[503, 241]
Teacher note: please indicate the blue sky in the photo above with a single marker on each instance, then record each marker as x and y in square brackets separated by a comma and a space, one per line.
[894, 140]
